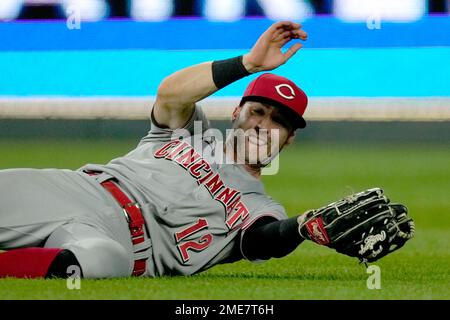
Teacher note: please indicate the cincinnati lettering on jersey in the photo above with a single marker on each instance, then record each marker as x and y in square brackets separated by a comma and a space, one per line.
[185, 155]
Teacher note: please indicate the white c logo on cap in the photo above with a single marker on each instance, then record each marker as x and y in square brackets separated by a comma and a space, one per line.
[278, 88]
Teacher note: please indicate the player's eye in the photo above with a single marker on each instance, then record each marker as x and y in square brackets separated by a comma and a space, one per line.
[280, 121]
[258, 111]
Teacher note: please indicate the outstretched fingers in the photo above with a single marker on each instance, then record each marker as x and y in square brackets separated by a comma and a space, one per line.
[278, 28]
[277, 35]
[291, 51]
[299, 34]
[286, 31]
[283, 35]
[286, 25]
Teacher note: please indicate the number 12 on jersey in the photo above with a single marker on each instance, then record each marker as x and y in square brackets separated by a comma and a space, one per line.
[194, 245]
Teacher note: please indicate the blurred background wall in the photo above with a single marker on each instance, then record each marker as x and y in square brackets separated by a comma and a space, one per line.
[89, 68]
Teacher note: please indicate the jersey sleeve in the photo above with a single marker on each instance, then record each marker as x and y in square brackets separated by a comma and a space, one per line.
[198, 121]
[270, 209]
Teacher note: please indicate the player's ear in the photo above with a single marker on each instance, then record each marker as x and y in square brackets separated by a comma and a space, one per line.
[290, 138]
[235, 113]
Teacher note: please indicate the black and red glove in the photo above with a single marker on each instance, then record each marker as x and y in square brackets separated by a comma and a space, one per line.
[364, 225]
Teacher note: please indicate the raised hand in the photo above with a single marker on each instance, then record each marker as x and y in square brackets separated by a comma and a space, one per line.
[266, 54]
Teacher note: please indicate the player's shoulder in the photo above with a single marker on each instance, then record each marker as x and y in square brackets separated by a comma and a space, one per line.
[197, 124]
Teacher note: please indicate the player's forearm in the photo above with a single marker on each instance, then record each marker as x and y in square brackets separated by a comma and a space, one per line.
[187, 86]
[179, 92]
[275, 239]
[192, 84]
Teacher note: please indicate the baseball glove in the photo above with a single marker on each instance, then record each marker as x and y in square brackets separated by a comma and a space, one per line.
[364, 225]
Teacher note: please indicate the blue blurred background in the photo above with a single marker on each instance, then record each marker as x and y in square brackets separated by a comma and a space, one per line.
[221, 10]
[377, 55]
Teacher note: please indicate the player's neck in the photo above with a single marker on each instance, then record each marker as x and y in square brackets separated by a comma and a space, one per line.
[254, 171]
[231, 155]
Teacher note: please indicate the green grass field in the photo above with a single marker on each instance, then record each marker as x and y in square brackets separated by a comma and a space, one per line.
[310, 176]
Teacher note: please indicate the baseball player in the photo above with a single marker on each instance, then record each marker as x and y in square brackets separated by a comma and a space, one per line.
[169, 207]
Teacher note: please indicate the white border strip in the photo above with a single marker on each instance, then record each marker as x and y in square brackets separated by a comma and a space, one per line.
[134, 108]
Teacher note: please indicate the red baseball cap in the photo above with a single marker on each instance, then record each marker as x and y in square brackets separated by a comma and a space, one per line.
[281, 92]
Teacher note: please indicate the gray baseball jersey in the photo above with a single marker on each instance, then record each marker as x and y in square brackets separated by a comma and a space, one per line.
[196, 209]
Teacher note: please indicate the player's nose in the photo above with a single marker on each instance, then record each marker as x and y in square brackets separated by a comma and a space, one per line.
[265, 122]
